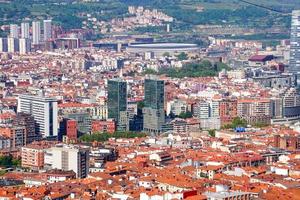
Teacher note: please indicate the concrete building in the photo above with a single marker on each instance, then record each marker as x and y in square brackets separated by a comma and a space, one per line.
[68, 127]
[287, 142]
[224, 195]
[291, 103]
[153, 112]
[33, 157]
[202, 110]
[254, 110]
[24, 45]
[176, 107]
[36, 32]
[276, 81]
[67, 43]
[108, 126]
[16, 134]
[14, 31]
[259, 60]
[44, 111]
[228, 111]
[25, 30]
[208, 112]
[4, 142]
[68, 157]
[236, 74]
[286, 107]
[160, 48]
[27, 120]
[47, 29]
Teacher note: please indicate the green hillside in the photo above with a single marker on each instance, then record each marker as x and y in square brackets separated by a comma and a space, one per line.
[190, 12]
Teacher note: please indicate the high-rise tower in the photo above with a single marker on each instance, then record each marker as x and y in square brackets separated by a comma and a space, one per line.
[36, 32]
[295, 43]
[44, 112]
[25, 30]
[153, 112]
[47, 30]
[117, 101]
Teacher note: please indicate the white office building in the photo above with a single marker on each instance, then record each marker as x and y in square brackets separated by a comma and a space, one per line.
[14, 31]
[44, 111]
[25, 30]
[12, 45]
[47, 30]
[208, 114]
[24, 45]
[36, 32]
[68, 157]
[176, 107]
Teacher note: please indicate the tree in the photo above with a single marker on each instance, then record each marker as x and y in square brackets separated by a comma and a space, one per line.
[182, 56]
[102, 137]
[166, 54]
[140, 105]
[236, 122]
[185, 115]
[212, 132]
[9, 161]
[149, 71]
[6, 161]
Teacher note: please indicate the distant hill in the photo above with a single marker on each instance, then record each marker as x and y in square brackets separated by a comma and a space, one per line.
[189, 12]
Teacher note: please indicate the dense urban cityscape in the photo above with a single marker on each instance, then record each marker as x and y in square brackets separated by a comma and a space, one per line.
[149, 100]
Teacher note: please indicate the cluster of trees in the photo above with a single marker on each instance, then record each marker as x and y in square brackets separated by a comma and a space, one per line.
[205, 68]
[243, 15]
[9, 161]
[63, 12]
[182, 56]
[150, 29]
[67, 12]
[214, 16]
[261, 36]
[102, 137]
[237, 122]
[185, 115]
[212, 133]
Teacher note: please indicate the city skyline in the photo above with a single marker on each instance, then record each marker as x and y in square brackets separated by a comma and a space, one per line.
[149, 100]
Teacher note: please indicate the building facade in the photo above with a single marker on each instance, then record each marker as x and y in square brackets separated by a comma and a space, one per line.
[36, 32]
[47, 29]
[117, 101]
[295, 43]
[68, 157]
[153, 112]
[108, 126]
[13, 45]
[24, 45]
[14, 31]
[25, 30]
[44, 112]
[27, 120]
[3, 45]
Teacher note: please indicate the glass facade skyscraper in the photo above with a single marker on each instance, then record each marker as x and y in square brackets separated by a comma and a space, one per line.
[153, 112]
[154, 93]
[117, 98]
[295, 43]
